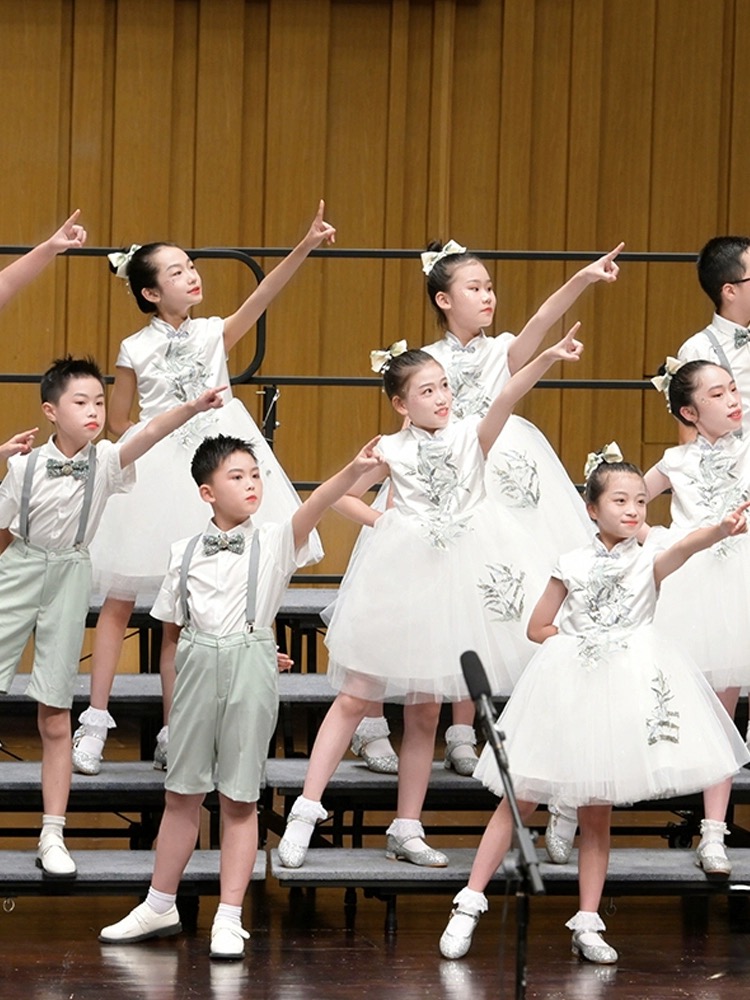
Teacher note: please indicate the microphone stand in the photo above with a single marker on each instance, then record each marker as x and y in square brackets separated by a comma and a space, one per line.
[527, 864]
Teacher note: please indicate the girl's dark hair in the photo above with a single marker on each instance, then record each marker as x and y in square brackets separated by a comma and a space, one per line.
[597, 481]
[212, 451]
[398, 371]
[440, 277]
[683, 385]
[141, 273]
[62, 370]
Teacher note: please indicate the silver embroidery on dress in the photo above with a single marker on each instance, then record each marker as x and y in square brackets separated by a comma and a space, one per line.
[504, 595]
[609, 606]
[470, 396]
[519, 479]
[439, 476]
[187, 376]
[663, 725]
[719, 490]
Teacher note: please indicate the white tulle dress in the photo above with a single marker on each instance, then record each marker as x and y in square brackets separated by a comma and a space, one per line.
[130, 552]
[441, 573]
[523, 473]
[610, 710]
[706, 606]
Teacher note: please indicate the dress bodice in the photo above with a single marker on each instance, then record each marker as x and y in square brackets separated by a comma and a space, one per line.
[476, 372]
[708, 480]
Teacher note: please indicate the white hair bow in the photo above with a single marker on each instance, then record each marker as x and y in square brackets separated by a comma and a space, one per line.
[121, 259]
[431, 257]
[380, 360]
[662, 382]
[610, 453]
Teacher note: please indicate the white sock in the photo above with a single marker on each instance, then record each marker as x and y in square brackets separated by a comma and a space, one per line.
[299, 830]
[163, 735]
[232, 914]
[52, 825]
[464, 739]
[160, 902]
[97, 721]
[566, 823]
[409, 832]
[375, 732]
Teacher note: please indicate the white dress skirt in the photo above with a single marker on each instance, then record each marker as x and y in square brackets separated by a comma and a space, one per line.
[609, 710]
[440, 575]
[705, 607]
[130, 552]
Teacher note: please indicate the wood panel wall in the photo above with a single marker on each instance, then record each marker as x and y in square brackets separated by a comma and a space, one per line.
[507, 124]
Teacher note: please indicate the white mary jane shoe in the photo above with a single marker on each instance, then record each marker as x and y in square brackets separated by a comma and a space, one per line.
[227, 940]
[141, 924]
[594, 949]
[456, 938]
[53, 857]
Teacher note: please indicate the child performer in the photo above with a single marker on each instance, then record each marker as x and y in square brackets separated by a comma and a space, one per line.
[608, 711]
[724, 275]
[706, 607]
[524, 475]
[15, 276]
[440, 574]
[52, 500]
[172, 359]
[218, 602]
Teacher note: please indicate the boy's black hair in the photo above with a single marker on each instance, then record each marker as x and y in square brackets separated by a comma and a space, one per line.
[719, 263]
[62, 370]
[212, 451]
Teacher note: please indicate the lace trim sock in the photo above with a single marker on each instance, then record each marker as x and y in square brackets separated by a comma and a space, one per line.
[96, 722]
[463, 738]
[566, 819]
[409, 832]
[160, 902]
[585, 920]
[307, 813]
[374, 731]
[713, 832]
[471, 901]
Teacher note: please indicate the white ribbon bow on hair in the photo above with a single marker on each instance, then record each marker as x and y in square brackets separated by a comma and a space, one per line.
[431, 257]
[610, 453]
[121, 259]
[662, 382]
[379, 360]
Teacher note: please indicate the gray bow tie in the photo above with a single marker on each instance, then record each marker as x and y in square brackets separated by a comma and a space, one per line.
[741, 336]
[78, 469]
[224, 543]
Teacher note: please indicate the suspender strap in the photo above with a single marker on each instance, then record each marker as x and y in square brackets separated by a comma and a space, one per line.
[188, 555]
[23, 525]
[720, 352]
[252, 579]
[88, 494]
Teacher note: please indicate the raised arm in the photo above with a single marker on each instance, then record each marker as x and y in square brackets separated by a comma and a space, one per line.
[568, 349]
[18, 274]
[703, 538]
[165, 423]
[237, 325]
[529, 340]
[121, 401]
[364, 465]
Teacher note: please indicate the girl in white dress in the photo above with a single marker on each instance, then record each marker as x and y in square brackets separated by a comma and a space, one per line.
[705, 608]
[173, 358]
[439, 575]
[523, 476]
[608, 711]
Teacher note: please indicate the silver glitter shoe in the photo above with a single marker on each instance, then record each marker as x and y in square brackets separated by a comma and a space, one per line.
[597, 951]
[425, 856]
[558, 848]
[293, 855]
[375, 729]
[84, 761]
[460, 737]
[712, 858]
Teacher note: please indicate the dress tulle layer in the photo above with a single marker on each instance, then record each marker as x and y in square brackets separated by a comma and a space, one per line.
[641, 724]
[408, 609]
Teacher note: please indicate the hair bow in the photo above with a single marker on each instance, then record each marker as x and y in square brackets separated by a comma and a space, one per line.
[662, 382]
[610, 453]
[380, 360]
[121, 259]
[431, 257]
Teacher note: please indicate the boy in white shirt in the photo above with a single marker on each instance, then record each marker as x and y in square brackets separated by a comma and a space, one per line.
[51, 500]
[218, 602]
